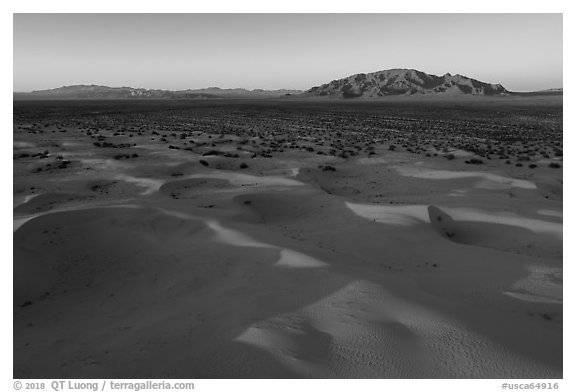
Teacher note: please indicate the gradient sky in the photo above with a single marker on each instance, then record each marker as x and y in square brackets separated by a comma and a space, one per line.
[523, 52]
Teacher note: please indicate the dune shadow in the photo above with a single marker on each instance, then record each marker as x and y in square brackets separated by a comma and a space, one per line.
[103, 270]
[511, 237]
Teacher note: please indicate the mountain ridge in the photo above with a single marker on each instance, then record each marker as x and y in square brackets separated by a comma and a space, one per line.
[92, 91]
[374, 85]
[403, 81]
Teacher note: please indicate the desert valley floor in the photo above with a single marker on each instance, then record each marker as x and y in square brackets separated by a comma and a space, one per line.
[288, 239]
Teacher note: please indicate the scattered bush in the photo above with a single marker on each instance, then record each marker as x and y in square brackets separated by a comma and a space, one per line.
[327, 168]
[213, 152]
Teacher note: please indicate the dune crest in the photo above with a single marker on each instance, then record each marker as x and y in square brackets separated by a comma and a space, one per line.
[488, 180]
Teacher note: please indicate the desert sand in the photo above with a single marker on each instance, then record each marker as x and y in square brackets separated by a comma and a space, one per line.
[182, 264]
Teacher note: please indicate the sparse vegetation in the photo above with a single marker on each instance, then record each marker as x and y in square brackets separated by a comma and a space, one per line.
[327, 168]
[238, 130]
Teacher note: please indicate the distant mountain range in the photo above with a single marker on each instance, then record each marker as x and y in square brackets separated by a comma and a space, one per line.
[392, 82]
[104, 92]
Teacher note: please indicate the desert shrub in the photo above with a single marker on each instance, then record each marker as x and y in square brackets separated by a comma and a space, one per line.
[327, 168]
[243, 165]
[213, 152]
[474, 161]
[450, 156]
[554, 165]
[203, 162]
[533, 166]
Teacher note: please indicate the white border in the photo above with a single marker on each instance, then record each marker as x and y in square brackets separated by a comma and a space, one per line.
[308, 6]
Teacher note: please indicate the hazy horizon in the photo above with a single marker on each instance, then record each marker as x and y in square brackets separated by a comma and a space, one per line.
[523, 52]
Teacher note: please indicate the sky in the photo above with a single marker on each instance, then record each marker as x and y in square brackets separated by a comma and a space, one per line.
[523, 52]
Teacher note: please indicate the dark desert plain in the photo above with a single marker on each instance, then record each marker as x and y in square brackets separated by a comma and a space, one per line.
[288, 238]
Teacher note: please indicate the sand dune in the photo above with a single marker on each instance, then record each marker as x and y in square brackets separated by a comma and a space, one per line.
[489, 180]
[551, 189]
[288, 258]
[151, 185]
[554, 213]
[412, 214]
[18, 201]
[48, 201]
[356, 329]
[543, 284]
[147, 238]
[498, 230]
[240, 179]
[507, 218]
[386, 264]
[365, 331]
[394, 215]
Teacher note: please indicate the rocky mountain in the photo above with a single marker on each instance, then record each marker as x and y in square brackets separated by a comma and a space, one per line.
[104, 92]
[241, 92]
[392, 82]
[97, 92]
[404, 82]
